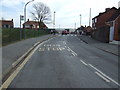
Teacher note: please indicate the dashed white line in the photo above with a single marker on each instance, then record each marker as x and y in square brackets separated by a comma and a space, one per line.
[73, 54]
[83, 62]
[102, 77]
[105, 75]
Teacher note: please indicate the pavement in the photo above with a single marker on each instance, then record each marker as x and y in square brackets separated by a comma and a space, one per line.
[12, 52]
[108, 47]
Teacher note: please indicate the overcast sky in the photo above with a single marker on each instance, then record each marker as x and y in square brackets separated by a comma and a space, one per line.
[67, 11]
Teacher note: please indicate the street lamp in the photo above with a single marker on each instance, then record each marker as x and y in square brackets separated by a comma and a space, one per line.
[25, 10]
[90, 18]
[54, 20]
[25, 16]
[80, 19]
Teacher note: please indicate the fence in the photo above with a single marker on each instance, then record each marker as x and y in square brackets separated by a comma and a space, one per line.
[101, 34]
[10, 35]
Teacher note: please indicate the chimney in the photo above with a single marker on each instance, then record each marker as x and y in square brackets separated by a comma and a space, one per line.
[107, 9]
[28, 19]
[12, 20]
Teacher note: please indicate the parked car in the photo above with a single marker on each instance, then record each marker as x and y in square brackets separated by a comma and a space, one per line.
[65, 32]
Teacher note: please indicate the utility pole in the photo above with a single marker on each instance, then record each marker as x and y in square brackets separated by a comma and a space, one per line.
[90, 17]
[21, 18]
[75, 26]
[54, 20]
[80, 19]
[59, 27]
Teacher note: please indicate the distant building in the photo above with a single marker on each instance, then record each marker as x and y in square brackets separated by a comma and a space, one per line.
[88, 30]
[6, 23]
[34, 25]
[99, 21]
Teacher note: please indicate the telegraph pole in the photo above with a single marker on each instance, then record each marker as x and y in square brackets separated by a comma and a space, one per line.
[90, 17]
[80, 19]
[75, 26]
[54, 20]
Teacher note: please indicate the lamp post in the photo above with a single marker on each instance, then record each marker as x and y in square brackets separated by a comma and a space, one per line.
[90, 18]
[80, 19]
[25, 16]
[54, 20]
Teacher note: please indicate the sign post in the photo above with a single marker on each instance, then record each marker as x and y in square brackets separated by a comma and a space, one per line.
[21, 18]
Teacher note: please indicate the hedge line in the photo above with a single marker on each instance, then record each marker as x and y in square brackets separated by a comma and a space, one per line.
[10, 35]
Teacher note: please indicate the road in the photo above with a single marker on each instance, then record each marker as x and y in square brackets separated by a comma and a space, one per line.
[67, 62]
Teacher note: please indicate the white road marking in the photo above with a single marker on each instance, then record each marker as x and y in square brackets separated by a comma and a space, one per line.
[68, 49]
[73, 54]
[83, 62]
[63, 48]
[39, 49]
[57, 49]
[60, 49]
[44, 44]
[105, 75]
[53, 49]
[102, 77]
[48, 49]
[72, 51]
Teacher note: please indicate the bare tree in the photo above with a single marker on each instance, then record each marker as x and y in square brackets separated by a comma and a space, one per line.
[41, 13]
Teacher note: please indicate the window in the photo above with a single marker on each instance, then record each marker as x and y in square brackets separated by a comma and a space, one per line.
[95, 20]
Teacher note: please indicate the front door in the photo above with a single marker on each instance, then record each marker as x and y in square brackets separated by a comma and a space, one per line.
[111, 33]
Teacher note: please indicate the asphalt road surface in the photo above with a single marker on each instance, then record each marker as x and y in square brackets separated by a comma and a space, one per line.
[67, 62]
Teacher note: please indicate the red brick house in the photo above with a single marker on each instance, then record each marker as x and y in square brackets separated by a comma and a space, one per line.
[114, 23]
[88, 30]
[34, 25]
[99, 21]
[101, 30]
[6, 23]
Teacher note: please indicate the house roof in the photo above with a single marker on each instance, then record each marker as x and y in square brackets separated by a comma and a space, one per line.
[107, 10]
[8, 22]
[89, 28]
[114, 16]
[34, 23]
